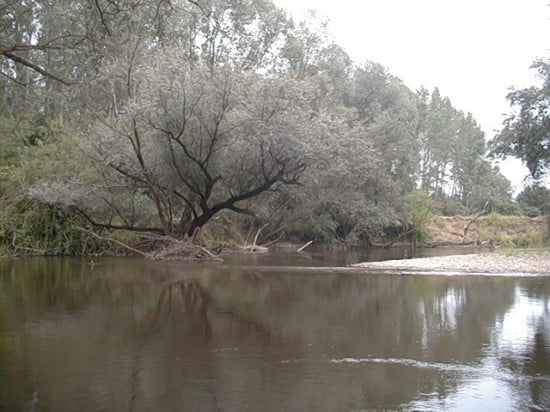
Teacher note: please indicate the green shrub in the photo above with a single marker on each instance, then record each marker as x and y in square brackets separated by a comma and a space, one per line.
[452, 207]
[505, 241]
[28, 227]
[530, 239]
[423, 211]
[530, 211]
[506, 207]
[495, 219]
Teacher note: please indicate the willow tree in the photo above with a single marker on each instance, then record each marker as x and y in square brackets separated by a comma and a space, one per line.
[366, 160]
[189, 143]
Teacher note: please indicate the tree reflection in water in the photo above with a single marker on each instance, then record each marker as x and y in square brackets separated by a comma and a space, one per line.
[135, 335]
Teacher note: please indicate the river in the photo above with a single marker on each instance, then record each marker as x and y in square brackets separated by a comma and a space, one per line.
[251, 334]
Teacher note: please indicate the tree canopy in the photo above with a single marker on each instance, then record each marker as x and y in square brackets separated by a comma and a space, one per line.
[526, 131]
[161, 116]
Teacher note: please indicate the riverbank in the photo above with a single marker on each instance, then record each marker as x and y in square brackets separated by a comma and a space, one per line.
[492, 229]
[516, 261]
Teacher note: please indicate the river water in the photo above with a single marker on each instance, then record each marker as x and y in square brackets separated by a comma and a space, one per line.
[251, 334]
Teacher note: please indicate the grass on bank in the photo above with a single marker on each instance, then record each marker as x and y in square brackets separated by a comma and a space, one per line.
[501, 230]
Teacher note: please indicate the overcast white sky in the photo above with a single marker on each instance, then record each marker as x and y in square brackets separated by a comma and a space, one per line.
[473, 50]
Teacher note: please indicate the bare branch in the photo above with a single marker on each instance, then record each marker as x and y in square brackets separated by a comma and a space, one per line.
[116, 227]
[118, 242]
[13, 79]
[197, 4]
[102, 17]
[242, 211]
[9, 55]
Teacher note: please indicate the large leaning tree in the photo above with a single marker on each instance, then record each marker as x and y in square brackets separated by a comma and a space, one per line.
[526, 132]
[187, 142]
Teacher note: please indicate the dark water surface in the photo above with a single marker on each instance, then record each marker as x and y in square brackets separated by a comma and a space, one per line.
[134, 335]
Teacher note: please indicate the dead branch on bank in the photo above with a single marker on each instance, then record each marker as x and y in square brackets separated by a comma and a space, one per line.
[258, 234]
[477, 216]
[162, 247]
[254, 247]
[300, 249]
[169, 248]
[118, 242]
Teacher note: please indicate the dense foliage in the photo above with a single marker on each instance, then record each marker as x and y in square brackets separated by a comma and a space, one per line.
[534, 200]
[526, 132]
[169, 116]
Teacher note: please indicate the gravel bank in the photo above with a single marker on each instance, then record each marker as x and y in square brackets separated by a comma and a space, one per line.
[536, 263]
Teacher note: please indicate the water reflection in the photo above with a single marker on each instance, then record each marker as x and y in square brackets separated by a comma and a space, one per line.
[136, 335]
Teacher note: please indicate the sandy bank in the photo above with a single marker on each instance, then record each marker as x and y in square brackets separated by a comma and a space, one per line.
[536, 263]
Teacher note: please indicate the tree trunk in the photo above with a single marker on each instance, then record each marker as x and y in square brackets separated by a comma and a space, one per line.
[199, 222]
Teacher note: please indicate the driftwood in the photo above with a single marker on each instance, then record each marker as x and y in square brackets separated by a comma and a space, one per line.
[247, 237]
[162, 247]
[181, 249]
[258, 234]
[254, 247]
[303, 247]
[169, 248]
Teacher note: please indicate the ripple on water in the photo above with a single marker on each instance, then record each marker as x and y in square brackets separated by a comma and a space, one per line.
[447, 367]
